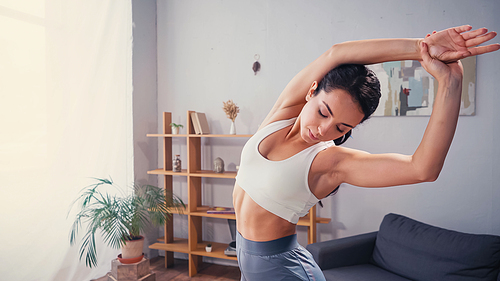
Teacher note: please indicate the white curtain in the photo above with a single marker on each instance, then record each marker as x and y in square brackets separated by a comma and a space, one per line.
[65, 116]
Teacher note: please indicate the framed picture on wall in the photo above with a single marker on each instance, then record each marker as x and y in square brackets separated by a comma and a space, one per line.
[408, 90]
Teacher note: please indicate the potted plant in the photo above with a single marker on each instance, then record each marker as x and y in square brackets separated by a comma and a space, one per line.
[208, 248]
[120, 218]
[175, 128]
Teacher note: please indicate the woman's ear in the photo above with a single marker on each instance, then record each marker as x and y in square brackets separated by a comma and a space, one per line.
[311, 91]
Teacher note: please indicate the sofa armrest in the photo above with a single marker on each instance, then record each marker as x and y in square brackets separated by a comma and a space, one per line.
[346, 251]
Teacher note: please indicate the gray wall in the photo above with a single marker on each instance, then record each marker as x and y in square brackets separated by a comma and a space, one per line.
[205, 54]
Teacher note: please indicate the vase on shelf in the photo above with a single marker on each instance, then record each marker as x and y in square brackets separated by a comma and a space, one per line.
[232, 131]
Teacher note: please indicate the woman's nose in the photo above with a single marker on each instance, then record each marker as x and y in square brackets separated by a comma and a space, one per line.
[323, 129]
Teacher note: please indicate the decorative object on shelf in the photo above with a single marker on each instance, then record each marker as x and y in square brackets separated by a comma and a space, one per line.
[256, 64]
[220, 210]
[121, 218]
[232, 130]
[200, 123]
[208, 248]
[218, 165]
[175, 128]
[177, 164]
[230, 251]
[231, 110]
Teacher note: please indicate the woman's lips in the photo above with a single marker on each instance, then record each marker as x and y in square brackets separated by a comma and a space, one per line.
[312, 136]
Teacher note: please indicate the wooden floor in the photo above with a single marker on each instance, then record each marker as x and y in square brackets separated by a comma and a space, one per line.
[179, 271]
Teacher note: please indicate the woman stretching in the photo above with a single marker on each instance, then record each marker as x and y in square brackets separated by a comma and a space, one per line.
[292, 161]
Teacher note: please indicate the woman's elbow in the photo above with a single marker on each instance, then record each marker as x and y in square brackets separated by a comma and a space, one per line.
[429, 175]
[432, 177]
[426, 171]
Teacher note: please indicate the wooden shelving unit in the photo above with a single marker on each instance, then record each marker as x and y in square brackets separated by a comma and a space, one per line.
[194, 246]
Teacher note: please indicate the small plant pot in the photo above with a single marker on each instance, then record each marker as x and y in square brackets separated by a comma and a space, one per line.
[175, 130]
[133, 249]
[208, 249]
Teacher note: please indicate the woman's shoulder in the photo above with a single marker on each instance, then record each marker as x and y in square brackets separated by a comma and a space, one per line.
[331, 158]
[280, 115]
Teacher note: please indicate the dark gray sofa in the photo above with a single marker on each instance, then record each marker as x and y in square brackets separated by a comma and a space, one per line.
[405, 249]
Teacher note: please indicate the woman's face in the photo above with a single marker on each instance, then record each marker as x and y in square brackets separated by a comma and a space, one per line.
[328, 116]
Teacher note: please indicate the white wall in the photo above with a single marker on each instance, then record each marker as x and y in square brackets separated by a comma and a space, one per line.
[144, 98]
[205, 54]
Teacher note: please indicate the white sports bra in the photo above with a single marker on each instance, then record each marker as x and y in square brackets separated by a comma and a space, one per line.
[281, 187]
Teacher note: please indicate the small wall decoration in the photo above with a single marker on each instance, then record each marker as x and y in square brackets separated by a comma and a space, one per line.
[256, 64]
[408, 90]
[231, 110]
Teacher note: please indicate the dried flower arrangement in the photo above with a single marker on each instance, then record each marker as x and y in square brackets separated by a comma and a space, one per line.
[231, 109]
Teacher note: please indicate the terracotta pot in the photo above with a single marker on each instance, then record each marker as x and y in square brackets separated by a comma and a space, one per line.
[130, 261]
[133, 249]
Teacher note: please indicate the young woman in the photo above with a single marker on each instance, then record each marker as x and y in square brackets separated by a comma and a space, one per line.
[291, 162]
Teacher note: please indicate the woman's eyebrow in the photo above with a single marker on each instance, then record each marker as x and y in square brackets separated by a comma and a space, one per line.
[347, 125]
[328, 107]
[331, 113]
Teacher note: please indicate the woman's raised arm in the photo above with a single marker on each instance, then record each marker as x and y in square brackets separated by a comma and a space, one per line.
[292, 99]
[447, 45]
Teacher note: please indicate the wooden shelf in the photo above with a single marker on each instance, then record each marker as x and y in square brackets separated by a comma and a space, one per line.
[198, 136]
[181, 212]
[199, 173]
[305, 221]
[194, 246]
[201, 212]
[212, 174]
[219, 216]
[179, 245]
[217, 250]
[171, 173]
[167, 135]
[219, 136]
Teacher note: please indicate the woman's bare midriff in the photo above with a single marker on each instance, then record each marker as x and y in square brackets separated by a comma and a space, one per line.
[256, 223]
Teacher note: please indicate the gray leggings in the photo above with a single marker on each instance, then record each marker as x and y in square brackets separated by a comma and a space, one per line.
[280, 259]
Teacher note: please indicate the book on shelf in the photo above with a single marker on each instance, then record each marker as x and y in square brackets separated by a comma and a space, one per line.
[202, 118]
[220, 210]
[200, 123]
[196, 123]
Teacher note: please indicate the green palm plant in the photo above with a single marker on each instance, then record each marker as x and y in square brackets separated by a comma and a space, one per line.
[120, 218]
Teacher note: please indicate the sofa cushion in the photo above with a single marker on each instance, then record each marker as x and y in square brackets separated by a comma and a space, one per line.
[347, 251]
[423, 252]
[361, 272]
